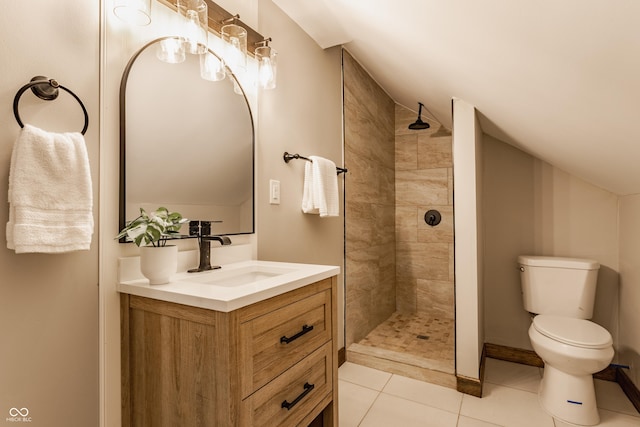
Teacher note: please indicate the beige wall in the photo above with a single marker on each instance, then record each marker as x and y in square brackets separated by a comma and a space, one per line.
[629, 238]
[530, 207]
[370, 202]
[302, 115]
[49, 303]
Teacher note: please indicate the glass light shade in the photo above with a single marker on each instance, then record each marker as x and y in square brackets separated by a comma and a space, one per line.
[235, 45]
[136, 12]
[211, 67]
[236, 88]
[267, 67]
[171, 50]
[194, 27]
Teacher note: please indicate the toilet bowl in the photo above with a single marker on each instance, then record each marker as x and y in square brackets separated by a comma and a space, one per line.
[572, 350]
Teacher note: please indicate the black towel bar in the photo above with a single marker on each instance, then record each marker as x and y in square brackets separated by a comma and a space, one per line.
[47, 89]
[288, 157]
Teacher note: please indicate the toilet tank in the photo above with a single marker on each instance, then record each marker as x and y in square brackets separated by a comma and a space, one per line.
[560, 286]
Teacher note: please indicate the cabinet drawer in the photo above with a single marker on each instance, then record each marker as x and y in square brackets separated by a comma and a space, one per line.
[273, 342]
[292, 396]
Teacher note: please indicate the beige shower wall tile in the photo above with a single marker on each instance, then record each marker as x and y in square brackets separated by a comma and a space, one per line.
[356, 317]
[369, 113]
[436, 298]
[434, 152]
[422, 187]
[361, 267]
[371, 97]
[441, 233]
[368, 181]
[370, 286]
[369, 225]
[406, 224]
[422, 260]
[365, 137]
[383, 296]
[359, 221]
[406, 152]
[406, 301]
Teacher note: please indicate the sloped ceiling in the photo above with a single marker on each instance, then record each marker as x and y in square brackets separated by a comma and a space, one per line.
[557, 79]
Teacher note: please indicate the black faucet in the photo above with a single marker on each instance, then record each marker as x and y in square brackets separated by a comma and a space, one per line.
[202, 229]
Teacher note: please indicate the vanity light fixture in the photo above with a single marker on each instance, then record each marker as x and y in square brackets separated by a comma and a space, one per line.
[198, 18]
[136, 12]
[195, 15]
[235, 43]
[267, 66]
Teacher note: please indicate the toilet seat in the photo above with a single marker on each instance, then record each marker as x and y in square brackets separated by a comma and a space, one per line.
[571, 331]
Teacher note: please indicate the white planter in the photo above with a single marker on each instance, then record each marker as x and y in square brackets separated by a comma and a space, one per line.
[158, 264]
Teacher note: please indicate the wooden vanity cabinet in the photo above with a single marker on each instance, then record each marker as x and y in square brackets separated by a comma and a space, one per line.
[272, 363]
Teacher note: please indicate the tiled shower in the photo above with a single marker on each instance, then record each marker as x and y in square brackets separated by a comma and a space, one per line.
[399, 279]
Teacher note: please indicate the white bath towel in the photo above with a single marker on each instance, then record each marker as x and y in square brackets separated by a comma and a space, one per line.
[50, 193]
[320, 194]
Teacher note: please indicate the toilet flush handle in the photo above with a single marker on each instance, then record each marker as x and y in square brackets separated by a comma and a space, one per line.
[522, 269]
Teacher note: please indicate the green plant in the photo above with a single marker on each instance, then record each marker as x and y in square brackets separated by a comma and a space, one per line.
[153, 228]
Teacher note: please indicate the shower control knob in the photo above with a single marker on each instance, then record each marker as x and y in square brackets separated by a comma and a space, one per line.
[432, 217]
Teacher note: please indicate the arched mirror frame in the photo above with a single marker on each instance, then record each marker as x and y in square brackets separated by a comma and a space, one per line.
[123, 136]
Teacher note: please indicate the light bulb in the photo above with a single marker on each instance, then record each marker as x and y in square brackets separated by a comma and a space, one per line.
[192, 32]
[171, 50]
[194, 27]
[266, 57]
[235, 54]
[211, 67]
[235, 46]
[266, 74]
[236, 88]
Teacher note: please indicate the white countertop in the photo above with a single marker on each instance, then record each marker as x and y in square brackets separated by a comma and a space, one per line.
[233, 286]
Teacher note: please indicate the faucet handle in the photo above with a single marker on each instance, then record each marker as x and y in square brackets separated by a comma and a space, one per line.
[194, 228]
[205, 228]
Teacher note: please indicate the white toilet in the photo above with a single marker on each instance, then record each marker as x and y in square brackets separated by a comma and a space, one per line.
[560, 292]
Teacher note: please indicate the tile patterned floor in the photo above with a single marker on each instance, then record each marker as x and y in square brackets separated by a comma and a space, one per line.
[415, 334]
[372, 398]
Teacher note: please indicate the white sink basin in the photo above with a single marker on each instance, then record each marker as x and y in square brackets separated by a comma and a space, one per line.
[236, 277]
[233, 286]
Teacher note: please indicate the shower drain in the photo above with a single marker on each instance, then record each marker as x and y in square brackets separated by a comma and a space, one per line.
[422, 337]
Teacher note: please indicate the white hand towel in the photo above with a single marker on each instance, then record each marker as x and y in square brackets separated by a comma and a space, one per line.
[320, 194]
[50, 193]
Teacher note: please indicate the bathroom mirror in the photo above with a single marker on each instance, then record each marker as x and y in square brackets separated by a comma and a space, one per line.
[185, 143]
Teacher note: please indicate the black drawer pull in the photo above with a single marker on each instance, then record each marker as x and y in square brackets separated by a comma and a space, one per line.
[307, 389]
[286, 340]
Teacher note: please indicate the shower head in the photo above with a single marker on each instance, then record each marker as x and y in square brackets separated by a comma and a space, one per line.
[419, 124]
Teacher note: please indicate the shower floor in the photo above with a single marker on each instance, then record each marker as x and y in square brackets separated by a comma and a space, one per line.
[413, 344]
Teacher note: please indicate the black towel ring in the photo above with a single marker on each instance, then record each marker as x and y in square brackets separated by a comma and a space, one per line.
[47, 89]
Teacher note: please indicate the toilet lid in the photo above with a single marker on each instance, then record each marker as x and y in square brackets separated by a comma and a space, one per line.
[576, 332]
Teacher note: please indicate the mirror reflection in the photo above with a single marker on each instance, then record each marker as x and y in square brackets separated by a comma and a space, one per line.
[186, 144]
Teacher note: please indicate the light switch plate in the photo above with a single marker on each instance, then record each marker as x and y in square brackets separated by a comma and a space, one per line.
[274, 192]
